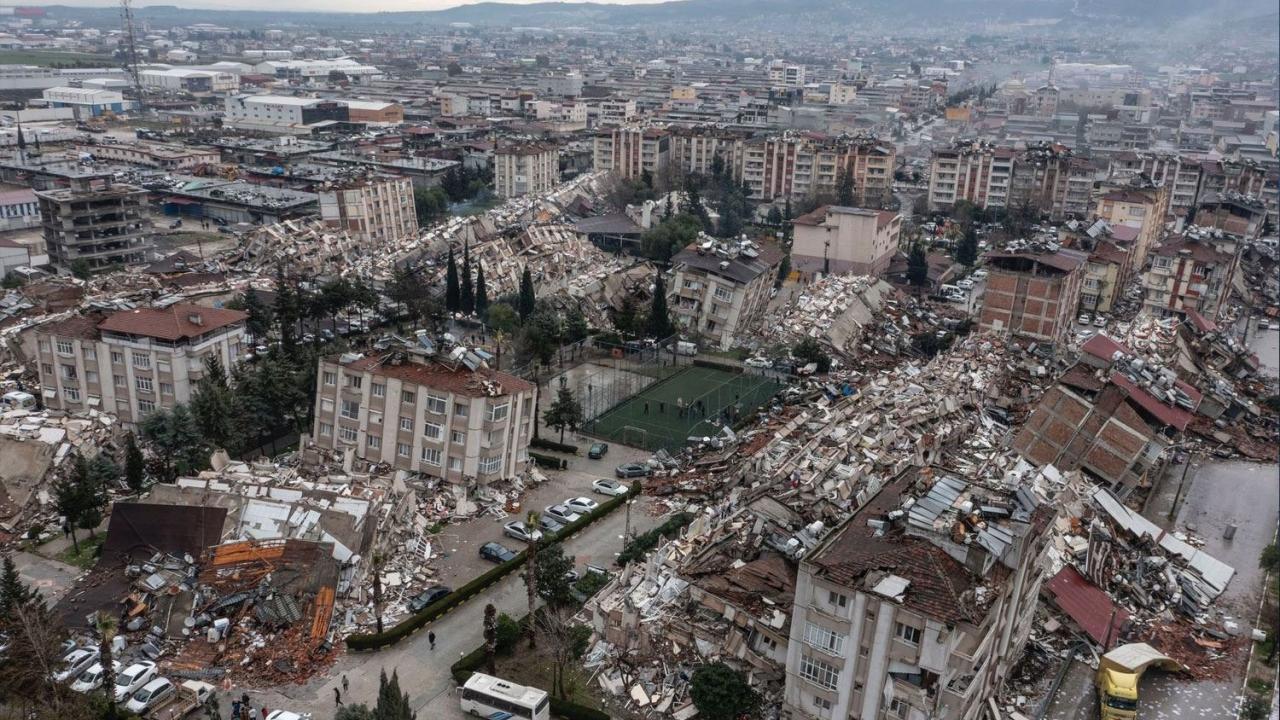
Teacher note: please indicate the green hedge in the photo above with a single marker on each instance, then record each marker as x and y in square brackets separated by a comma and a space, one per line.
[548, 461]
[553, 446]
[573, 711]
[406, 627]
[642, 544]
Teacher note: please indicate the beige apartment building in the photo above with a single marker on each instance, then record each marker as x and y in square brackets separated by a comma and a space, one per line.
[1139, 203]
[799, 165]
[916, 608]
[1192, 271]
[630, 151]
[374, 209]
[451, 418]
[721, 289]
[133, 362]
[525, 169]
[1045, 176]
[836, 240]
[975, 171]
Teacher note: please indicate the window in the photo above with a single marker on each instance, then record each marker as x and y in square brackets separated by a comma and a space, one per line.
[1162, 262]
[857, 687]
[406, 423]
[326, 405]
[166, 388]
[347, 434]
[64, 347]
[351, 409]
[355, 381]
[455, 464]
[898, 707]
[907, 633]
[824, 639]
[402, 449]
[378, 389]
[330, 378]
[90, 376]
[490, 464]
[818, 672]
[374, 442]
[460, 409]
[432, 431]
[724, 294]
[145, 406]
[117, 357]
[432, 456]
[499, 412]
[326, 429]
[164, 367]
[375, 418]
[120, 380]
[143, 384]
[457, 437]
[46, 368]
[69, 372]
[72, 394]
[821, 703]
[141, 360]
[837, 599]
[436, 404]
[44, 345]
[90, 354]
[406, 396]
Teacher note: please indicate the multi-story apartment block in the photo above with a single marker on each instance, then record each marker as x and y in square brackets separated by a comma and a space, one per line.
[1043, 175]
[971, 170]
[1241, 215]
[373, 209]
[1108, 269]
[1138, 203]
[721, 289]
[447, 416]
[614, 111]
[525, 168]
[1193, 271]
[694, 149]
[1181, 175]
[788, 75]
[843, 240]
[808, 165]
[918, 605]
[95, 221]
[1033, 294]
[629, 151]
[134, 362]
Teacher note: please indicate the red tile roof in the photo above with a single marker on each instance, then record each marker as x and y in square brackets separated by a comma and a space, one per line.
[76, 326]
[1087, 605]
[1170, 415]
[459, 380]
[177, 322]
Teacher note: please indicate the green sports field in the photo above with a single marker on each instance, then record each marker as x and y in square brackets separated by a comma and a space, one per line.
[653, 418]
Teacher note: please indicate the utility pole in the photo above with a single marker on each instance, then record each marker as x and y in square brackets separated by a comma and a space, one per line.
[131, 52]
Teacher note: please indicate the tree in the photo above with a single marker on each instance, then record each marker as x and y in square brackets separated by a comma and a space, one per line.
[575, 325]
[453, 68]
[71, 498]
[659, 323]
[287, 309]
[13, 592]
[452, 292]
[468, 296]
[844, 188]
[1270, 559]
[917, 265]
[527, 300]
[730, 221]
[80, 269]
[392, 703]
[509, 631]
[565, 641]
[134, 464]
[809, 351]
[259, 321]
[565, 413]
[669, 237]
[482, 293]
[624, 316]
[357, 711]
[106, 627]
[376, 564]
[213, 404]
[698, 210]
[541, 335]
[967, 246]
[722, 693]
[176, 442]
[775, 215]
[491, 638]
[784, 270]
[552, 569]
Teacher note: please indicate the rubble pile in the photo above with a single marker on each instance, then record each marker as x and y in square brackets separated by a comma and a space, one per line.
[837, 311]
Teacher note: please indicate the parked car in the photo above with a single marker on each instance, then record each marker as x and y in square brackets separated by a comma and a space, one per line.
[134, 677]
[758, 362]
[561, 513]
[632, 470]
[286, 715]
[92, 678]
[581, 504]
[965, 284]
[979, 274]
[598, 450]
[609, 487]
[428, 596]
[151, 696]
[75, 663]
[495, 552]
[549, 526]
[520, 530]
[1084, 319]
[1099, 321]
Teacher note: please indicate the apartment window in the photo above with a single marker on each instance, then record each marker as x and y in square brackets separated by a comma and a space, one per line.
[432, 456]
[402, 449]
[460, 409]
[351, 409]
[69, 372]
[326, 429]
[378, 389]
[141, 360]
[145, 406]
[90, 376]
[64, 347]
[407, 396]
[46, 368]
[406, 423]
[330, 378]
[355, 381]
[490, 464]
[43, 345]
[1162, 262]
[724, 294]
[437, 404]
[143, 384]
[499, 412]
[898, 707]
[824, 639]
[837, 599]
[72, 394]
[457, 437]
[166, 388]
[164, 367]
[347, 434]
[374, 442]
[90, 354]
[120, 380]
[907, 633]
[455, 464]
[326, 405]
[432, 431]
[117, 357]
[818, 672]
[821, 703]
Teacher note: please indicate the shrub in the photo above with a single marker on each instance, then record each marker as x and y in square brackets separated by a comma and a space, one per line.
[547, 461]
[642, 544]
[509, 632]
[553, 446]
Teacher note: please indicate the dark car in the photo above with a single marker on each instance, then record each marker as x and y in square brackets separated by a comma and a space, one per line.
[598, 450]
[428, 596]
[496, 553]
[632, 470]
[549, 525]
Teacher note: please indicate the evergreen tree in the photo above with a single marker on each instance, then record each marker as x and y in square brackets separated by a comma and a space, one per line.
[452, 293]
[468, 296]
[70, 499]
[213, 404]
[786, 210]
[13, 592]
[176, 442]
[659, 325]
[287, 311]
[775, 215]
[730, 221]
[393, 704]
[259, 321]
[527, 300]
[565, 413]
[967, 247]
[482, 293]
[134, 464]
[698, 210]
[917, 265]
[844, 191]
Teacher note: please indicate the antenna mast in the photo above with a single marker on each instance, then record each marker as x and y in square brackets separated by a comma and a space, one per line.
[131, 52]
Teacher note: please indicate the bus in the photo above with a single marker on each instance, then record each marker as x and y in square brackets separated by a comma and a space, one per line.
[485, 695]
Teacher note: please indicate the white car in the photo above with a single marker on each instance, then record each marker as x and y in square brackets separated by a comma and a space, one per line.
[286, 715]
[92, 678]
[965, 284]
[581, 504]
[521, 531]
[134, 677]
[1099, 321]
[75, 663]
[758, 362]
[979, 274]
[609, 487]
[151, 696]
[1084, 319]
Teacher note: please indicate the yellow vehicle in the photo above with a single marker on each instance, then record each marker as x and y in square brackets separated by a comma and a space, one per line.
[1119, 672]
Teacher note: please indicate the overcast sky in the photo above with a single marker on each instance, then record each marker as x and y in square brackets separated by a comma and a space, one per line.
[312, 5]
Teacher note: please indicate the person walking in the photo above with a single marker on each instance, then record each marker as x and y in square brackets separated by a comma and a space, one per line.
[337, 697]
[431, 638]
[345, 685]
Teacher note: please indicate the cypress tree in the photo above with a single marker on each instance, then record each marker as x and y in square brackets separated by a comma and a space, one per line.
[482, 294]
[468, 292]
[527, 298]
[659, 325]
[452, 294]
